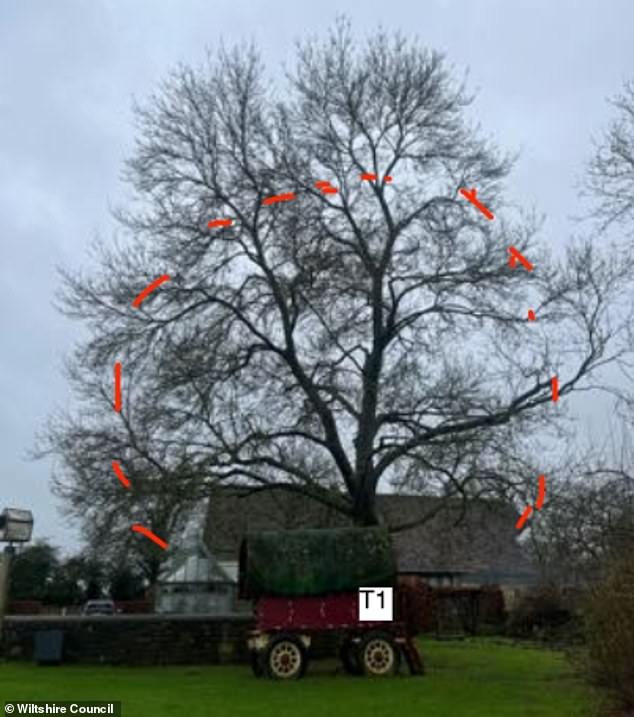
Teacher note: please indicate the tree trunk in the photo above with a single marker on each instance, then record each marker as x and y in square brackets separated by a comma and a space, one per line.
[365, 510]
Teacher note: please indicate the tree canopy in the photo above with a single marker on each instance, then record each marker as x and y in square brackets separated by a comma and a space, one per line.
[338, 340]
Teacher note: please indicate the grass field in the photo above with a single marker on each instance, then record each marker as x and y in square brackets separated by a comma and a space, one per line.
[464, 679]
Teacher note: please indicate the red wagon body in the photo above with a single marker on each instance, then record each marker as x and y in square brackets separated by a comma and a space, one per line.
[325, 612]
[339, 611]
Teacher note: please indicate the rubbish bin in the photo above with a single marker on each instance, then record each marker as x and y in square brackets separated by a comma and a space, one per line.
[49, 646]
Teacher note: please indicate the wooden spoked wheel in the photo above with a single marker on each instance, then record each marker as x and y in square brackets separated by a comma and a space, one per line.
[379, 655]
[286, 658]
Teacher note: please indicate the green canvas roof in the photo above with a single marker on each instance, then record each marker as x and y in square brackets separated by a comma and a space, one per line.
[315, 562]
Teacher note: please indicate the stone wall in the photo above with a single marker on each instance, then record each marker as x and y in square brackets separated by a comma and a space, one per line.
[133, 639]
[141, 639]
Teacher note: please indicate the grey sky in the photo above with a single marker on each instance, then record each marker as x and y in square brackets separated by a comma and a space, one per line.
[69, 70]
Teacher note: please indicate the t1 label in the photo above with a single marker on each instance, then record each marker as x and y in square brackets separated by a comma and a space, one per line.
[375, 604]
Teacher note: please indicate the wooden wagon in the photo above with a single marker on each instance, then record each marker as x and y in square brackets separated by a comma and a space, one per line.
[307, 582]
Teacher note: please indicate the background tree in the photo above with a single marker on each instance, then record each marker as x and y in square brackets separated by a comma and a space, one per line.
[160, 495]
[39, 573]
[610, 187]
[65, 585]
[590, 521]
[340, 340]
[92, 579]
[609, 618]
[609, 181]
[125, 583]
[589, 524]
[32, 570]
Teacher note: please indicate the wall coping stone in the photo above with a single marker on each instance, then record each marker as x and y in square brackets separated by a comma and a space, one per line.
[152, 617]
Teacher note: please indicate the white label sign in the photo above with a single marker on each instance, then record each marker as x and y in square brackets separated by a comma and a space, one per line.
[375, 604]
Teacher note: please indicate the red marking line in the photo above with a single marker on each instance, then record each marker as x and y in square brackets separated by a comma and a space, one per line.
[149, 289]
[554, 387]
[471, 197]
[524, 517]
[541, 496]
[120, 475]
[220, 223]
[531, 315]
[279, 198]
[515, 256]
[149, 534]
[371, 177]
[117, 387]
[542, 492]
[326, 187]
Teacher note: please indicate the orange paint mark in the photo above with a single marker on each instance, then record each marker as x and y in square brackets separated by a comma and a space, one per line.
[149, 534]
[117, 387]
[287, 197]
[554, 386]
[531, 315]
[149, 289]
[368, 176]
[120, 475]
[541, 496]
[542, 492]
[220, 223]
[515, 256]
[524, 517]
[326, 187]
[387, 178]
[471, 197]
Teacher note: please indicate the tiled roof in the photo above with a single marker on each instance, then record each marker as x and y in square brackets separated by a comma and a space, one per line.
[482, 541]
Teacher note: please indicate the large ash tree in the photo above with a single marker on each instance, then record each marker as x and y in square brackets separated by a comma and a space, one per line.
[339, 340]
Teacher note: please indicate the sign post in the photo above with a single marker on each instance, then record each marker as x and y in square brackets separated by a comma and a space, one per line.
[16, 526]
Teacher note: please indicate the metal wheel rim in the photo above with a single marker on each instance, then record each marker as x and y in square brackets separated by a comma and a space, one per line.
[378, 657]
[285, 659]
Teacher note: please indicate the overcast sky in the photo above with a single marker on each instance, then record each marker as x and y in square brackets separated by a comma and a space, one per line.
[70, 68]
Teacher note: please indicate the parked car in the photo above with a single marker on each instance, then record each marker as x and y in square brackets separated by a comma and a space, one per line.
[98, 607]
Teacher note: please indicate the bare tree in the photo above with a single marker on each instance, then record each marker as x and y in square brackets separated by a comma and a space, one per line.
[609, 180]
[590, 520]
[162, 484]
[589, 523]
[368, 333]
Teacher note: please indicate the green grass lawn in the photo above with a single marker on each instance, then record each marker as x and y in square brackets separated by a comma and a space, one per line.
[464, 679]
